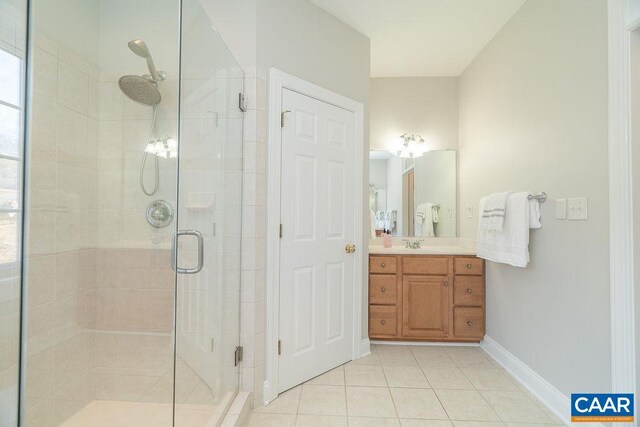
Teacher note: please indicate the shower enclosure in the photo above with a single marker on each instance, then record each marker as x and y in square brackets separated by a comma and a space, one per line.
[120, 214]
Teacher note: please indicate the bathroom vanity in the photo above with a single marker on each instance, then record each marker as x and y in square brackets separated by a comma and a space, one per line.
[426, 295]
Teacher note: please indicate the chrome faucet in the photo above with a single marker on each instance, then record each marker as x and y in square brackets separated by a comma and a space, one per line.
[412, 244]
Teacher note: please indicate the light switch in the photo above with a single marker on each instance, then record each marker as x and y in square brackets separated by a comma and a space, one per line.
[577, 209]
[561, 208]
[469, 209]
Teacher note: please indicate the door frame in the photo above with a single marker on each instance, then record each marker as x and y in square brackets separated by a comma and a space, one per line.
[278, 81]
[623, 18]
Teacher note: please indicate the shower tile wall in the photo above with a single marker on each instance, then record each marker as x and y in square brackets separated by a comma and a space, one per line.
[60, 276]
[254, 224]
[100, 288]
[100, 302]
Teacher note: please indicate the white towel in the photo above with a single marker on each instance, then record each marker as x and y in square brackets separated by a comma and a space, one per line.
[424, 220]
[372, 223]
[511, 245]
[493, 212]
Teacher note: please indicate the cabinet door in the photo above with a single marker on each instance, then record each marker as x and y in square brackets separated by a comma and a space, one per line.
[425, 308]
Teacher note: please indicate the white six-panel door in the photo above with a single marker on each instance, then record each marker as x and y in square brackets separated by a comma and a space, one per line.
[317, 214]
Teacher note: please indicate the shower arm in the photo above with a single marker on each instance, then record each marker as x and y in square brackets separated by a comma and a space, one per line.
[155, 76]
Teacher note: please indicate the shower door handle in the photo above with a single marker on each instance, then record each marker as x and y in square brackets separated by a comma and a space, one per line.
[174, 252]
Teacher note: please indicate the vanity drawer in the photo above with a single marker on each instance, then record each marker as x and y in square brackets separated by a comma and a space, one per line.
[383, 321]
[468, 290]
[473, 266]
[425, 265]
[383, 264]
[383, 289]
[468, 322]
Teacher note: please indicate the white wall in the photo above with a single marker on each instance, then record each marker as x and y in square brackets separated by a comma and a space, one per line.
[635, 132]
[533, 116]
[427, 106]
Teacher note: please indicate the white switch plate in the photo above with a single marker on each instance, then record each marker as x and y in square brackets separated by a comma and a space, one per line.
[561, 208]
[577, 209]
[469, 209]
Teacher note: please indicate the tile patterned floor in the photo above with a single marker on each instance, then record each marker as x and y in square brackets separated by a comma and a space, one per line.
[409, 386]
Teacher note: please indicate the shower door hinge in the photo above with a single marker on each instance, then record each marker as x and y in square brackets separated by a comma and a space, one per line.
[282, 117]
[279, 347]
[238, 355]
[281, 231]
[242, 102]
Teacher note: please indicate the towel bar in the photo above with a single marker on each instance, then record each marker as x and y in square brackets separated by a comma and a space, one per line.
[540, 197]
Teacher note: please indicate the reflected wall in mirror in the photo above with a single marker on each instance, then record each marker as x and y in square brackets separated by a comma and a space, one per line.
[413, 197]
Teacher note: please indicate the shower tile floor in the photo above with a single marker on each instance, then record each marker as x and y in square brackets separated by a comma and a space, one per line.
[409, 386]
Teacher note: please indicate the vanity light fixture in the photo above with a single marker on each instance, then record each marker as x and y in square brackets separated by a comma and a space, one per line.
[411, 146]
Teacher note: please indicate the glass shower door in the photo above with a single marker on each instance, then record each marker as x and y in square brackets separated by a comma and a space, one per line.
[209, 223]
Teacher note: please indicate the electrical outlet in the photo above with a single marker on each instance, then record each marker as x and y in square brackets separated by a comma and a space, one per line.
[561, 208]
[577, 209]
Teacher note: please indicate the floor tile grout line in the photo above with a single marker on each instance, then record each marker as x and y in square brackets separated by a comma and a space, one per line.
[346, 398]
[393, 401]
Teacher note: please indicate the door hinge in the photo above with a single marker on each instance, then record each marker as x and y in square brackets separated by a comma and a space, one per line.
[279, 347]
[238, 355]
[282, 117]
[242, 102]
[281, 231]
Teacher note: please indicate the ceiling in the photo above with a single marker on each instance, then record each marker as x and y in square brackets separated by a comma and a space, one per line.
[423, 37]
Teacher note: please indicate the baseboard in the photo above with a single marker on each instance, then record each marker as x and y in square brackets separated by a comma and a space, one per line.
[552, 398]
[365, 347]
[427, 343]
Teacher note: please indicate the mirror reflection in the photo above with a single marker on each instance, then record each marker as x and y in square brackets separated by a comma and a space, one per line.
[413, 197]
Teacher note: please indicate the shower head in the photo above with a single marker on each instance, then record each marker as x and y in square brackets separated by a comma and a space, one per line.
[139, 47]
[140, 89]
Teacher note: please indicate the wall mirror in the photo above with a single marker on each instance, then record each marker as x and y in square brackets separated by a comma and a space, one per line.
[413, 197]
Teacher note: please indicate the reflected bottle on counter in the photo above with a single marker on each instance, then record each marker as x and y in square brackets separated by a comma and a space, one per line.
[386, 238]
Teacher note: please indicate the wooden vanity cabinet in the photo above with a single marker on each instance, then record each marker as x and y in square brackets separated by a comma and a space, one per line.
[426, 298]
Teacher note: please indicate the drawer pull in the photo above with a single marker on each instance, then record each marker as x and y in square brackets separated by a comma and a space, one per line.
[469, 266]
[383, 322]
[382, 265]
[446, 283]
[469, 290]
[383, 289]
[469, 323]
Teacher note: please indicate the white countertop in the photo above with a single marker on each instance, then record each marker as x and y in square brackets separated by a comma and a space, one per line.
[429, 246]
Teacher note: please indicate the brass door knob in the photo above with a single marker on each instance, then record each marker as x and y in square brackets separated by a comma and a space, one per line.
[468, 290]
[446, 283]
[384, 289]
[350, 248]
[383, 265]
[469, 323]
[383, 322]
[469, 266]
